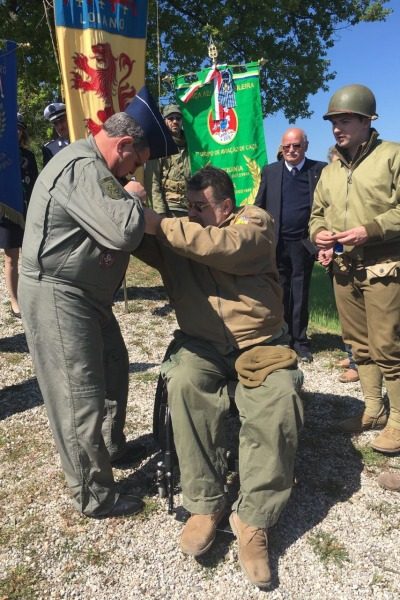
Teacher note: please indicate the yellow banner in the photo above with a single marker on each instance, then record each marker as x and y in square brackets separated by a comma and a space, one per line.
[102, 50]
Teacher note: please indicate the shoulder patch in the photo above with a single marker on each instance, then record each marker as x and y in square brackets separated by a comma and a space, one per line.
[242, 220]
[111, 188]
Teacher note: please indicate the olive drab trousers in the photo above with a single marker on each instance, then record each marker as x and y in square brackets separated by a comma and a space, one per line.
[271, 416]
[81, 364]
[369, 312]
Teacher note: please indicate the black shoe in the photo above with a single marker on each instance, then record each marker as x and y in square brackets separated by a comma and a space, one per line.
[132, 453]
[125, 505]
[17, 315]
[304, 354]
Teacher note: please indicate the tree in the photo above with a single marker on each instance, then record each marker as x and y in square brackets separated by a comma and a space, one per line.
[292, 35]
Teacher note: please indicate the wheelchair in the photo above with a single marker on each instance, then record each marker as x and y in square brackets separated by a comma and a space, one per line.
[164, 438]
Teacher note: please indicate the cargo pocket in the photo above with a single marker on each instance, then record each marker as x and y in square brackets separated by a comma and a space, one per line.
[387, 269]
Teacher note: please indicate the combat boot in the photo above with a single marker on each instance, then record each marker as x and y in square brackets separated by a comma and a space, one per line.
[371, 382]
[253, 551]
[362, 422]
[199, 533]
[389, 481]
[387, 441]
[393, 392]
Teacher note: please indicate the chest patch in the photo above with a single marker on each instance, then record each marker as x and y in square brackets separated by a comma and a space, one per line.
[111, 188]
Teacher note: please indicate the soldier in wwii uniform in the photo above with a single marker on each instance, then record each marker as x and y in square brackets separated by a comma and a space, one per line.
[355, 221]
[166, 179]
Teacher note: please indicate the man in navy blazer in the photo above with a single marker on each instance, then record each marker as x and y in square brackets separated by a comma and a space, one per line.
[286, 192]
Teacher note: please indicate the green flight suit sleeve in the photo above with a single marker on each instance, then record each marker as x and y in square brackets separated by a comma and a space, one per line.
[100, 205]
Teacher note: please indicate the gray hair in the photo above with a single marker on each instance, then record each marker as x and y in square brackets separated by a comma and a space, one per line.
[331, 153]
[122, 124]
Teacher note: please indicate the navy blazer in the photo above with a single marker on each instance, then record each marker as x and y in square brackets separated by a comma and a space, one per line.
[269, 194]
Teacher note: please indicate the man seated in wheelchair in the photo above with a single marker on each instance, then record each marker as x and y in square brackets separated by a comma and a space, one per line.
[218, 267]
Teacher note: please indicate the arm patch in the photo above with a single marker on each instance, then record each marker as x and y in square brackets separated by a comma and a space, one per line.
[111, 188]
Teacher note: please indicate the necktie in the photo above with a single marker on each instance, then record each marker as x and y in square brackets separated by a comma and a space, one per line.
[295, 171]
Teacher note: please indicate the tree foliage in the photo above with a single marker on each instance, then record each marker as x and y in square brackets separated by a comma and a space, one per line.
[292, 35]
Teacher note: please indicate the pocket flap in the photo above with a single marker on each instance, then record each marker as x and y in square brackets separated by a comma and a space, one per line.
[388, 269]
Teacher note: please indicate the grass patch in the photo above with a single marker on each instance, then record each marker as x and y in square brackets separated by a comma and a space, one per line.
[138, 273]
[369, 457]
[382, 508]
[150, 507]
[19, 584]
[145, 377]
[323, 312]
[328, 548]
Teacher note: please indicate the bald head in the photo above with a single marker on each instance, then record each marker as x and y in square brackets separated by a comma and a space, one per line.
[294, 145]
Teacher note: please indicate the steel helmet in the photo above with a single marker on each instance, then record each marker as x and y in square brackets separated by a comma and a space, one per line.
[353, 99]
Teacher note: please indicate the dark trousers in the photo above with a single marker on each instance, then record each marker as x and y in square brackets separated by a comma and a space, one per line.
[295, 266]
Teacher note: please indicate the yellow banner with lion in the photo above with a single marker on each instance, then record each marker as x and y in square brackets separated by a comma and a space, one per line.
[102, 50]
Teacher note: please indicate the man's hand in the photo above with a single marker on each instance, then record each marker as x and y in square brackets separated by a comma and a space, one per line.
[153, 220]
[134, 187]
[325, 239]
[325, 257]
[352, 237]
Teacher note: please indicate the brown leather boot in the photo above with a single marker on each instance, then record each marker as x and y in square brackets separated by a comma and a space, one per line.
[362, 422]
[199, 532]
[349, 376]
[253, 551]
[389, 481]
[387, 441]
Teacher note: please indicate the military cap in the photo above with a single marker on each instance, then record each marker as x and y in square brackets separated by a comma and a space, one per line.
[171, 109]
[55, 111]
[21, 122]
[144, 109]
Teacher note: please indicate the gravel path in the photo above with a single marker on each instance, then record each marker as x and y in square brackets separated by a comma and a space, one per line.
[338, 538]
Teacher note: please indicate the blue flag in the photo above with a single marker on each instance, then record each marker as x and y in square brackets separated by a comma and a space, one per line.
[11, 195]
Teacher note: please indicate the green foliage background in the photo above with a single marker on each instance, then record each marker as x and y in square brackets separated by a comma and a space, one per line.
[292, 35]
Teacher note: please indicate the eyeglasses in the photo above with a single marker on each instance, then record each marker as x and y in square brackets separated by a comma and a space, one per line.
[198, 207]
[287, 147]
[174, 118]
[138, 161]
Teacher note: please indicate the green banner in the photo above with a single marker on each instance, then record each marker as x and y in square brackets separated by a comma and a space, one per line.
[223, 124]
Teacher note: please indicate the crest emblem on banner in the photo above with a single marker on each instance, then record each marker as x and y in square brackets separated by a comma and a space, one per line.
[107, 76]
[225, 130]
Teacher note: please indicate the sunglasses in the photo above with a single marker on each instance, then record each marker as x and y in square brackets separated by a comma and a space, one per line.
[197, 207]
[287, 147]
[174, 118]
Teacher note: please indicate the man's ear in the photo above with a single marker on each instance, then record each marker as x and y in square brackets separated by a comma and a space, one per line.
[228, 206]
[124, 141]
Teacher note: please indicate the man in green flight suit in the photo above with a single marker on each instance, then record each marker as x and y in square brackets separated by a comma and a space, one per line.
[80, 230]
[166, 179]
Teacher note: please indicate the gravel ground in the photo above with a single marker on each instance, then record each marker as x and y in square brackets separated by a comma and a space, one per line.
[338, 537]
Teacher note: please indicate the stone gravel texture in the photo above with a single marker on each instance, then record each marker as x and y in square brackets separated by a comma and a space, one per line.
[338, 537]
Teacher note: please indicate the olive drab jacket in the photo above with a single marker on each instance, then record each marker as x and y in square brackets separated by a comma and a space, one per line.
[81, 224]
[365, 192]
[166, 179]
[222, 281]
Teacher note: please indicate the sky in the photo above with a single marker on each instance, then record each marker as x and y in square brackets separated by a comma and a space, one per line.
[369, 54]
